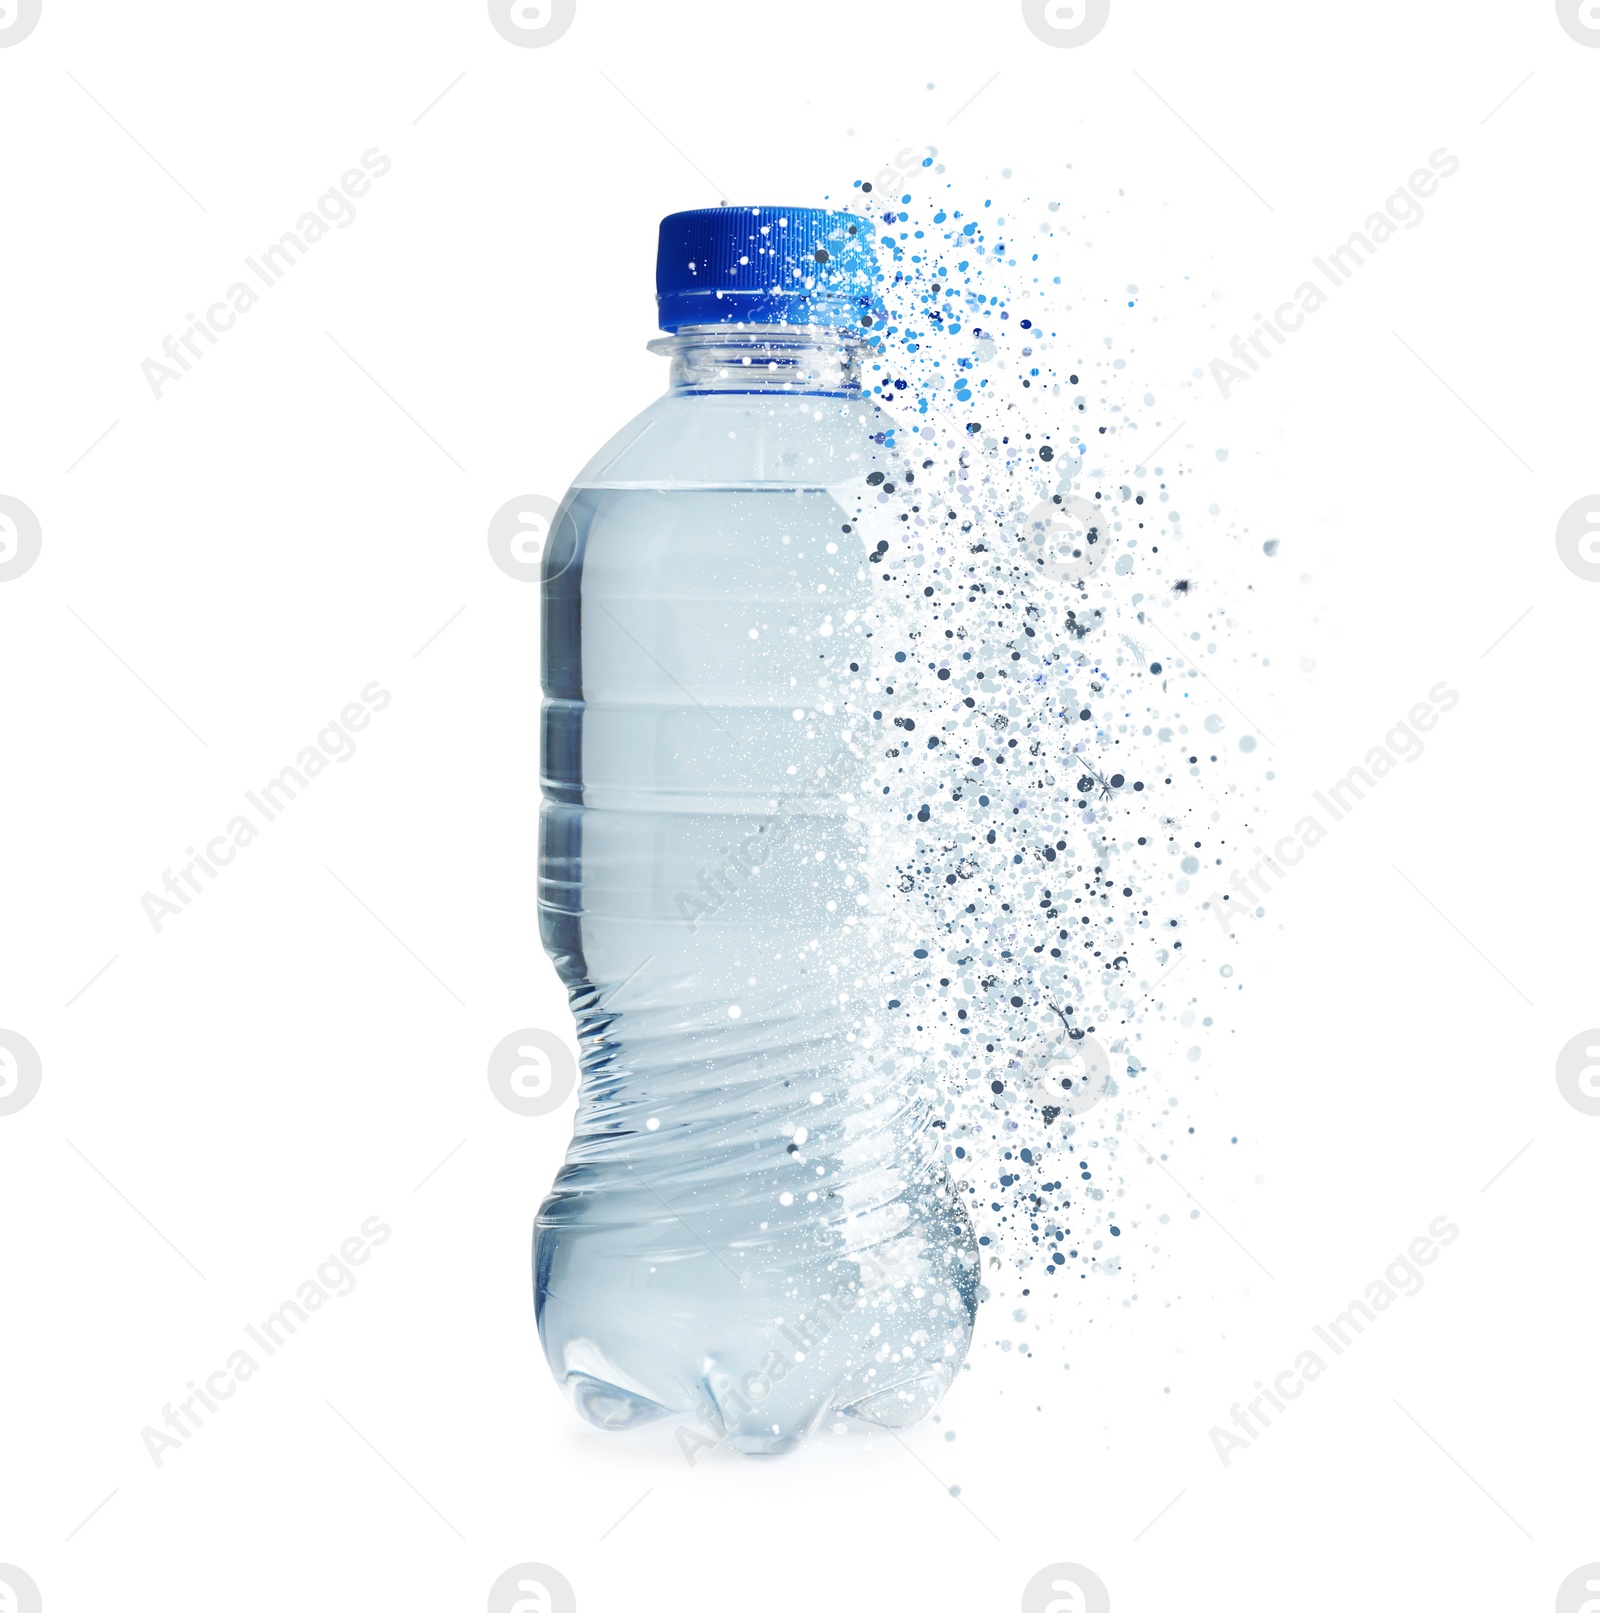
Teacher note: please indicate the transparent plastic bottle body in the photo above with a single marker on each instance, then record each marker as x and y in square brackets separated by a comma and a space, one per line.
[752, 1226]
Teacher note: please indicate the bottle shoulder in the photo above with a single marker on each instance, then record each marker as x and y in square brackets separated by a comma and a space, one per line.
[742, 439]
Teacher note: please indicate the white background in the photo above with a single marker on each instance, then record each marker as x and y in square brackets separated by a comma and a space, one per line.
[226, 568]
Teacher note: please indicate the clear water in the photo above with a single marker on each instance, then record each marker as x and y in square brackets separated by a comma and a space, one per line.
[752, 1227]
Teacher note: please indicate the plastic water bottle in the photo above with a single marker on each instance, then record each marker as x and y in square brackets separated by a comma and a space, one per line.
[753, 1226]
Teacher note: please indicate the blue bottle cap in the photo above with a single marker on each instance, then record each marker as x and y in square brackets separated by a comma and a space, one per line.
[766, 266]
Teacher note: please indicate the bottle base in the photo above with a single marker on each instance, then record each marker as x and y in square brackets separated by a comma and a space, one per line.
[758, 1347]
[756, 1414]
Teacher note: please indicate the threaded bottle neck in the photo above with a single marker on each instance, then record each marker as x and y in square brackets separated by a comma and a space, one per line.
[809, 359]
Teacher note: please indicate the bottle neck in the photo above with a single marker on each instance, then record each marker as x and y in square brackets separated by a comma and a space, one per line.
[810, 359]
